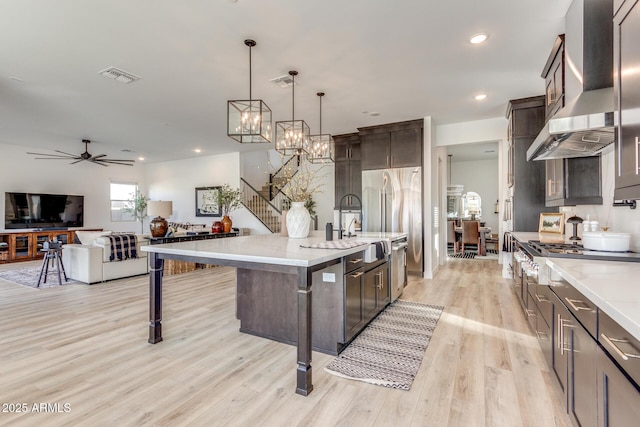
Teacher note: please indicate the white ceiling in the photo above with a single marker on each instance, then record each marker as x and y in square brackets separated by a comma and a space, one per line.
[473, 152]
[403, 59]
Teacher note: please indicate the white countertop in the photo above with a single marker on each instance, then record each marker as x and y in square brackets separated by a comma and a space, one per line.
[613, 286]
[267, 248]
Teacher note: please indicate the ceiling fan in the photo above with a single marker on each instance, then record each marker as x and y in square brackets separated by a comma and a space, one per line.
[100, 159]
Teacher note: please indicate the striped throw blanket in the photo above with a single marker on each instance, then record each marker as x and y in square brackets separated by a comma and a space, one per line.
[123, 246]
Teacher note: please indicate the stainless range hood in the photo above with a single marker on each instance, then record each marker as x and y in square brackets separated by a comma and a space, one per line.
[584, 127]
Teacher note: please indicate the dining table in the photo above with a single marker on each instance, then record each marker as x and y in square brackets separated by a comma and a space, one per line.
[482, 250]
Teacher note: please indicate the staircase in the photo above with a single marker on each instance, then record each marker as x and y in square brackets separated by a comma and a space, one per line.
[260, 206]
[268, 203]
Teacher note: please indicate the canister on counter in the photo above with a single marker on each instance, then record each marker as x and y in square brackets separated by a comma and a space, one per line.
[329, 231]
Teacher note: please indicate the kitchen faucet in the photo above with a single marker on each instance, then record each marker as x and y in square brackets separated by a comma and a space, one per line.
[340, 213]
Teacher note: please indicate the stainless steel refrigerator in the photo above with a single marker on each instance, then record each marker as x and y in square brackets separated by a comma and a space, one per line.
[392, 202]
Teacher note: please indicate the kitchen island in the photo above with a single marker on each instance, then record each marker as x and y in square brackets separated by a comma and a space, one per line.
[266, 253]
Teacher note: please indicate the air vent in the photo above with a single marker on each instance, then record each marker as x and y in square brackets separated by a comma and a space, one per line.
[282, 81]
[119, 75]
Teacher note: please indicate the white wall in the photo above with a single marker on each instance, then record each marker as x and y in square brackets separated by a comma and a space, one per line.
[475, 131]
[431, 204]
[255, 166]
[480, 176]
[621, 219]
[21, 172]
[177, 181]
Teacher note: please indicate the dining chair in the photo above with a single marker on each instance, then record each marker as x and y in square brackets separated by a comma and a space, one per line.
[470, 234]
[452, 237]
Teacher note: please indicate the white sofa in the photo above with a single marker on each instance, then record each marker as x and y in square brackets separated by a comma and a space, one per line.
[89, 262]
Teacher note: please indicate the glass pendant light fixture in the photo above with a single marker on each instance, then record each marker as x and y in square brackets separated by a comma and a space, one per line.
[249, 121]
[323, 149]
[292, 136]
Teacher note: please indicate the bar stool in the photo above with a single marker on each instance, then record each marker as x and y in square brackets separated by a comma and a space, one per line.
[52, 254]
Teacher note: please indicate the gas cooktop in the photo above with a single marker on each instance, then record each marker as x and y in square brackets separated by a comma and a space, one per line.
[574, 250]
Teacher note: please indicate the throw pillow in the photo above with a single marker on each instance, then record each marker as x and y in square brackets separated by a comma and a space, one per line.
[89, 237]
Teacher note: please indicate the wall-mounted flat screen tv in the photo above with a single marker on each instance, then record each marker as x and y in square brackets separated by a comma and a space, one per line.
[49, 211]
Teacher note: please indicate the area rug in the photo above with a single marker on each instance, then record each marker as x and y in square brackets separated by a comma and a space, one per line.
[29, 277]
[491, 254]
[389, 351]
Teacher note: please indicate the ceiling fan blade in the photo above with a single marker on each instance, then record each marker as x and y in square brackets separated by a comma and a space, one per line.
[117, 162]
[53, 155]
[77, 161]
[68, 154]
[53, 158]
[98, 156]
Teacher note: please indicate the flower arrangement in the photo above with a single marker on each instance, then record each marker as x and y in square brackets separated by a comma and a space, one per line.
[300, 183]
[229, 199]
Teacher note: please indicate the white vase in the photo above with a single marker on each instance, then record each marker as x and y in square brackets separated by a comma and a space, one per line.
[298, 221]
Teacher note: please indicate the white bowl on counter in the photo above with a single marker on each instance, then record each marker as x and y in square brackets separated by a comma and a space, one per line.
[606, 241]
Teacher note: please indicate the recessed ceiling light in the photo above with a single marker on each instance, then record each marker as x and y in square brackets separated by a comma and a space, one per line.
[480, 97]
[197, 150]
[141, 159]
[478, 38]
[374, 113]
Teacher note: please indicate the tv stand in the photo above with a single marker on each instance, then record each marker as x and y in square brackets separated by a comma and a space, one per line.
[27, 245]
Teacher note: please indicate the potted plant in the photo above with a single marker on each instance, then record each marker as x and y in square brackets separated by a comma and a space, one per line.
[137, 207]
[229, 199]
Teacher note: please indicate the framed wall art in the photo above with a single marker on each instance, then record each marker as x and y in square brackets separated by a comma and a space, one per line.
[207, 201]
[551, 223]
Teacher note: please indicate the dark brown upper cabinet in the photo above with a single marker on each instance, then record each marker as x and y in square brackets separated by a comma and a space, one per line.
[553, 75]
[348, 173]
[569, 182]
[626, 31]
[394, 145]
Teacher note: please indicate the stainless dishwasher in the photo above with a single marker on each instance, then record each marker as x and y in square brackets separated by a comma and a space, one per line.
[398, 267]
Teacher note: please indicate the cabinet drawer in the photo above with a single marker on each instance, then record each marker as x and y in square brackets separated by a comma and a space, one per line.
[620, 345]
[353, 261]
[542, 297]
[583, 310]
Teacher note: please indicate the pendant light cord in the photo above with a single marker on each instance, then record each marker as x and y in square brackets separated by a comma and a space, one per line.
[293, 97]
[320, 96]
[250, 98]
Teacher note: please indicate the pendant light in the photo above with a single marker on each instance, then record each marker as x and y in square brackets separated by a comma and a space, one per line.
[249, 121]
[323, 149]
[292, 136]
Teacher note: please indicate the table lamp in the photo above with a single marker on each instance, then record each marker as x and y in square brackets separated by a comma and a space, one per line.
[159, 209]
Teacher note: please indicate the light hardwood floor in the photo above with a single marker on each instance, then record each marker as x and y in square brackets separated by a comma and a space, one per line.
[86, 346]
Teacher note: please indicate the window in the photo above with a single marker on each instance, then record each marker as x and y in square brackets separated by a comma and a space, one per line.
[120, 194]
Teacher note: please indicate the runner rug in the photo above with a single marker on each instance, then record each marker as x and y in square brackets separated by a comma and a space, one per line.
[388, 352]
[29, 277]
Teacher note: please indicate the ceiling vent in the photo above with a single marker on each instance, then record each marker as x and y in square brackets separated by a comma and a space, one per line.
[282, 81]
[119, 75]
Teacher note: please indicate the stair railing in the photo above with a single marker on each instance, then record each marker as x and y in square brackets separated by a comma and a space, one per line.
[288, 169]
[266, 211]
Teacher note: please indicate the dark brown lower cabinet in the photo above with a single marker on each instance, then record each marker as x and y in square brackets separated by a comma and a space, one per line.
[354, 319]
[582, 376]
[618, 398]
[560, 353]
[375, 293]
